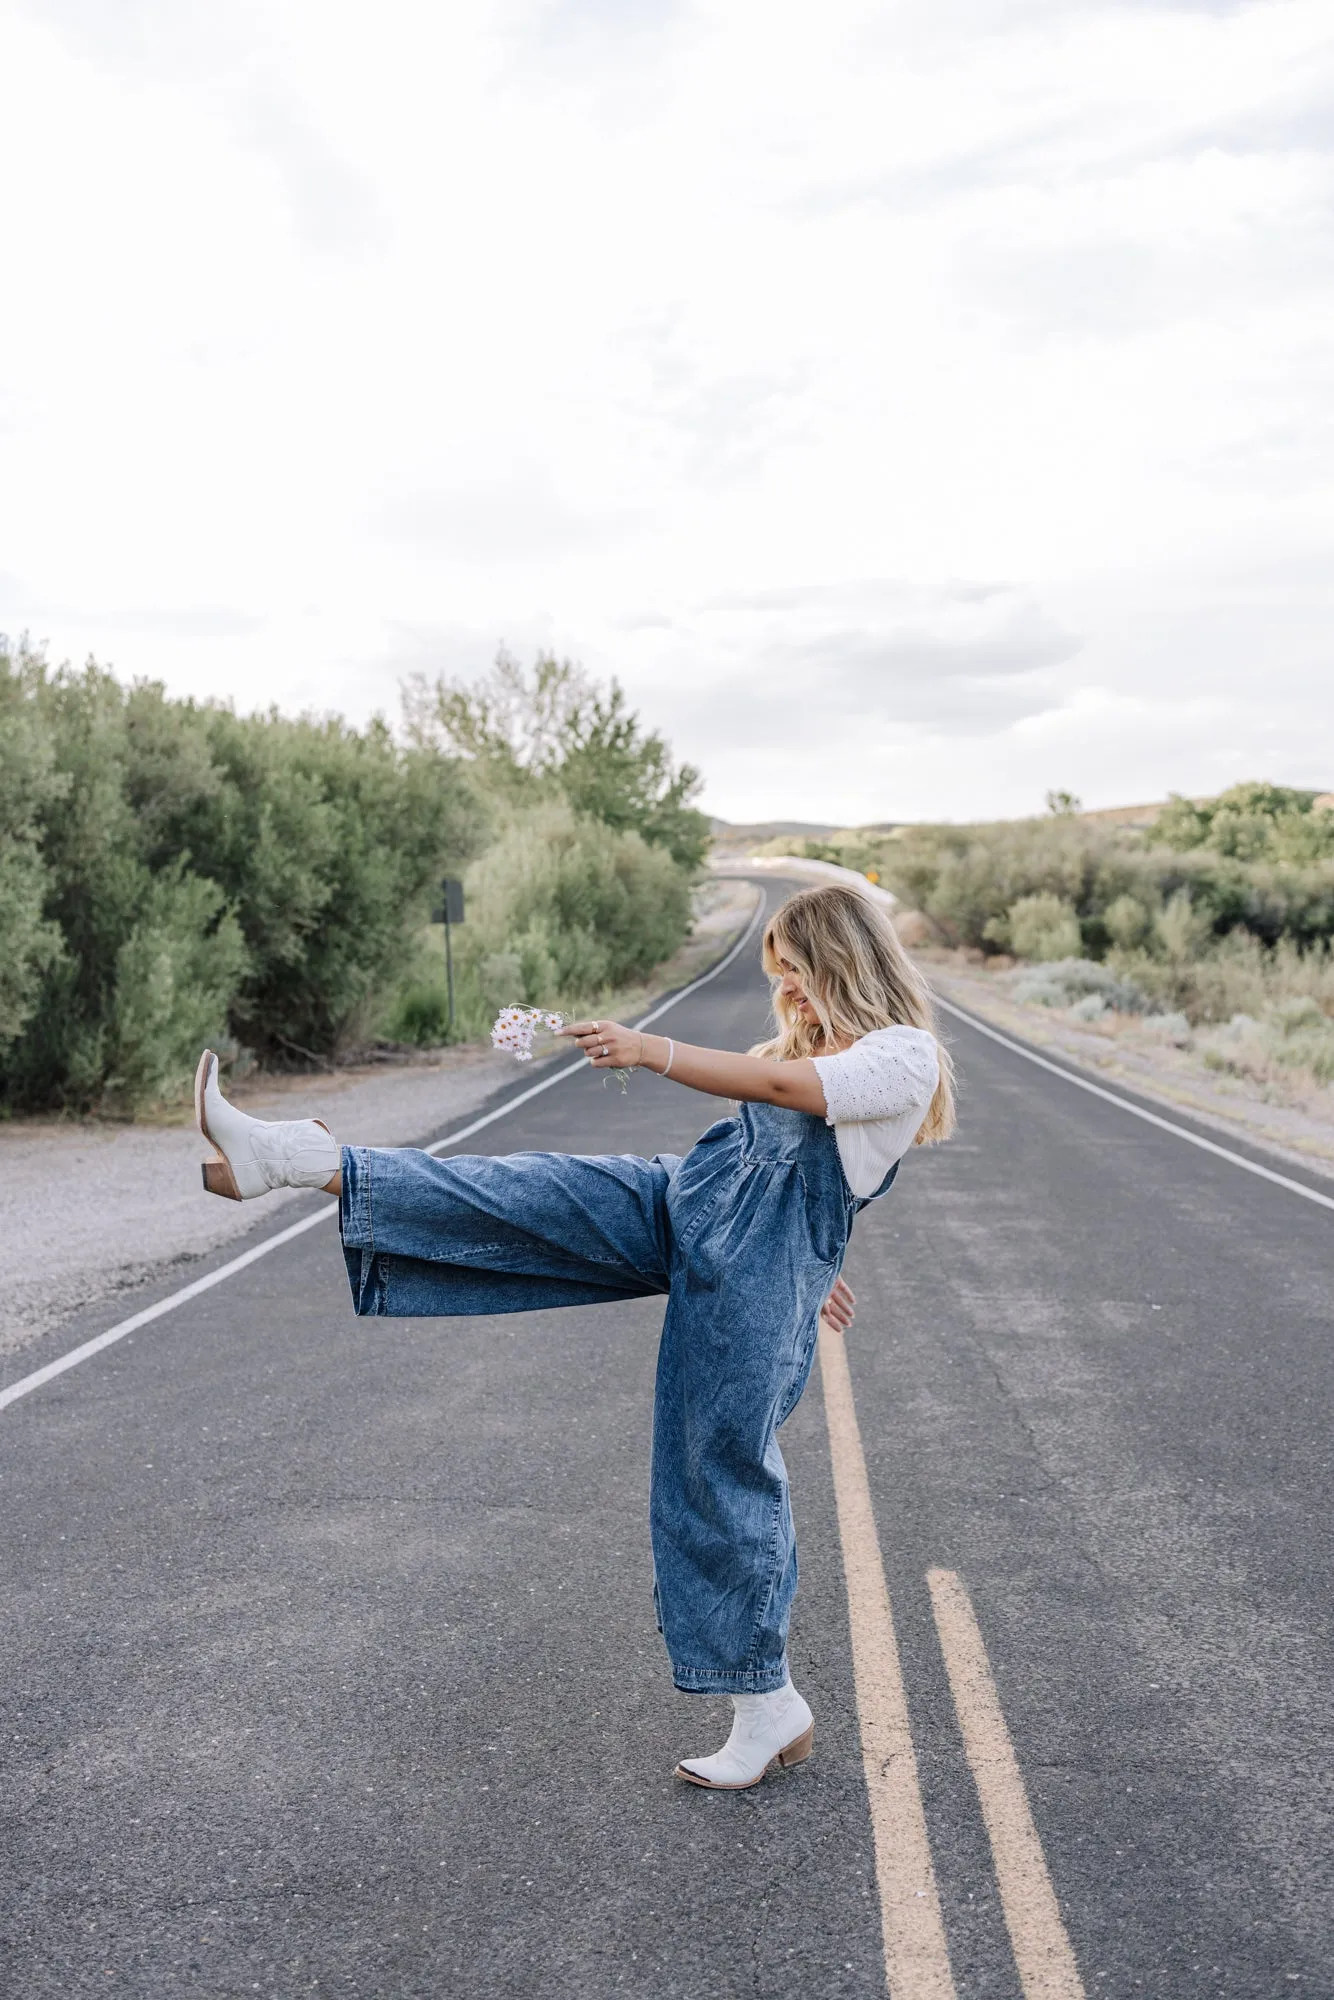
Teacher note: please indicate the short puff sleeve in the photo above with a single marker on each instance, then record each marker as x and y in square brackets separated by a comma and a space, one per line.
[887, 1074]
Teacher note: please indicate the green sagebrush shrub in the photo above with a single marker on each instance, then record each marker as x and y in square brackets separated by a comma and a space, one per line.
[562, 909]
[1251, 822]
[141, 960]
[1039, 927]
[1078, 985]
[171, 873]
[580, 905]
[329, 842]
[175, 976]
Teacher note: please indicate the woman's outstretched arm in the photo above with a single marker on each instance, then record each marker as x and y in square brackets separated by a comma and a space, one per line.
[717, 1071]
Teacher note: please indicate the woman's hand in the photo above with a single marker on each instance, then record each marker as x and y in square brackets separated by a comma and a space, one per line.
[840, 1308]
[607, 1044]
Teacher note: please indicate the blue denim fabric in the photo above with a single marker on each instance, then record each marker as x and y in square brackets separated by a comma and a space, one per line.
[745, 1235]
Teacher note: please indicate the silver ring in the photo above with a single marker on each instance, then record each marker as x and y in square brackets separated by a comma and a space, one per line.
[605, 1050]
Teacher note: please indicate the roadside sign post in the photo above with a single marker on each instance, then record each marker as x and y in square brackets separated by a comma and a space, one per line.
[449, 913]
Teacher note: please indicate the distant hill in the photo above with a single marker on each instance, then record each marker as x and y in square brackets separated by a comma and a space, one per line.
[737, 837]
[745, 837]
[742, 837]
[1131, 815]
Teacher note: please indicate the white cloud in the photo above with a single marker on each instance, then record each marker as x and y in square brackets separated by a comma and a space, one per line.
[342, 343]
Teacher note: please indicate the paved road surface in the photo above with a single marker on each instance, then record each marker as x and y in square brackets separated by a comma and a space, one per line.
[327, 1658]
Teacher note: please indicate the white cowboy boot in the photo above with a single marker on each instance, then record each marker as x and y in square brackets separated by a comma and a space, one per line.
[764, 1727]
[254, 1155]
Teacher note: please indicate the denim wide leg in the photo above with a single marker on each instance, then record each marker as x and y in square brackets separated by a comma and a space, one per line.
[424, 1237]
[745, 1235]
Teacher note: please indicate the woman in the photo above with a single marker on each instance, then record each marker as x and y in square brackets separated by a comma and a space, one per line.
[746, 1236]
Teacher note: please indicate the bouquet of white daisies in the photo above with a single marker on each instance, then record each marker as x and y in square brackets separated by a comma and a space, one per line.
[515, 1027]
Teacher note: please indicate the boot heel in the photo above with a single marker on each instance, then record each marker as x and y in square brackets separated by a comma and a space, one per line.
[219, 1179]
[799, 1750]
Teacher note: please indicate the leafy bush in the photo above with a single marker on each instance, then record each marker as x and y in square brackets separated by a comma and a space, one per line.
[330, 843]
[564, 908]
[1251, 822]
[200, 874]
[1038, 927]
[419, 1012]
[1302, 1037]
[1127, 921]
[175, 976]
[1169, 1028]
[139, 949]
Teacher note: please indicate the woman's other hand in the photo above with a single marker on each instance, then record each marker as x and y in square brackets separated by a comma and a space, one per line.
[607, 1044]
[840, 1308]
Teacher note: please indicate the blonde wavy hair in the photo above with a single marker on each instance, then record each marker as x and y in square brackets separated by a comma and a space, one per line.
[858, 977]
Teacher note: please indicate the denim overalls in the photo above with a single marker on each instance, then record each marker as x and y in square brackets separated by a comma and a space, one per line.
[746, 1235]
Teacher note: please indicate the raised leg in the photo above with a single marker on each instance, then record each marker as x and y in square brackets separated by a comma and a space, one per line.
[425, 1237]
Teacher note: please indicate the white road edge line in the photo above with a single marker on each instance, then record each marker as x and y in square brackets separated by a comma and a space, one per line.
[1041, 1945]
[1138, 1111]
[27, 1383]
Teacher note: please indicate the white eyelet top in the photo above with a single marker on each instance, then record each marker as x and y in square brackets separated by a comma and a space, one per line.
[876, 1095]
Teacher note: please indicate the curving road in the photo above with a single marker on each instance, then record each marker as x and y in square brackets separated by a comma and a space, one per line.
[327, 1657]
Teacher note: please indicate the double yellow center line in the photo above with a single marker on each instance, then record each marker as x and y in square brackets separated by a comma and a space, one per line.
[917, 1964]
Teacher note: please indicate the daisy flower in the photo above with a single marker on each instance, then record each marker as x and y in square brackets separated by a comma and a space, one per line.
[515, 1026]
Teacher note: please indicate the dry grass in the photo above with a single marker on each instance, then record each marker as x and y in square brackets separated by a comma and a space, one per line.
[1264, 1020]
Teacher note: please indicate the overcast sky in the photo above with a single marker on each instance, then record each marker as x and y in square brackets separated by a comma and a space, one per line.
[917, 405]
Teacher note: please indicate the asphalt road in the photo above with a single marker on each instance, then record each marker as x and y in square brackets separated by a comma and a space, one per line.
[327, 1655]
